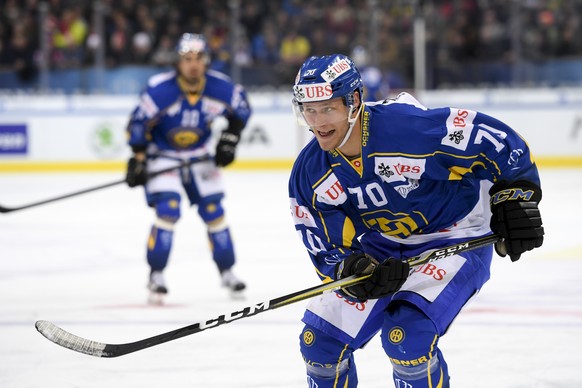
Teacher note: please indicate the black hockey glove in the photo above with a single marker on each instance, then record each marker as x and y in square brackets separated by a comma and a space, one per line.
[516, 217]
[387, 277]
[136, 172]
[226, 147]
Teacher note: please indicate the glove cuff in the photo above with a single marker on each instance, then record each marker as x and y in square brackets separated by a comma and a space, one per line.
[230, 137]
[515, 191]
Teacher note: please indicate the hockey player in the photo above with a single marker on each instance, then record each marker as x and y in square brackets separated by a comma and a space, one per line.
[385, 181]
[172, 124]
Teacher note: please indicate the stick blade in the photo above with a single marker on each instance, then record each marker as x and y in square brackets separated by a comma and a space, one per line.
[71, 341]
[5, 209]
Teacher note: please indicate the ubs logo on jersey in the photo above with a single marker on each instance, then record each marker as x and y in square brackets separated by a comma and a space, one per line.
[398, 170]
[301, 215]
[330, 191]
[459, 128]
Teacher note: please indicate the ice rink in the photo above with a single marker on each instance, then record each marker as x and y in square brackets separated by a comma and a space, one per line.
[80, 263]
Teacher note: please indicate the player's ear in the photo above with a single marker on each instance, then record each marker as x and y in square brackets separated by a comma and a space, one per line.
[357, 99]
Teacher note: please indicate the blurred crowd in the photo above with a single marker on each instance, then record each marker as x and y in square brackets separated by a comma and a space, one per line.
[280, 34]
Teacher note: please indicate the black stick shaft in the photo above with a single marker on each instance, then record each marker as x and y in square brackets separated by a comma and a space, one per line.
[4, 209]
[98, 349]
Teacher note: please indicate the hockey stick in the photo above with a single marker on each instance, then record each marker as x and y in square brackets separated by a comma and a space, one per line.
[187, 163]
[99, 349]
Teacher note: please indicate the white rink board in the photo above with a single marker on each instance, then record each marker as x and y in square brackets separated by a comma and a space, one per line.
[69, 129]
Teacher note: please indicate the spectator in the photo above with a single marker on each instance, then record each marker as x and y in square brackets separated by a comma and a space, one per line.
[68, 39]
[265, 46]
[295, 48]
[464, 37]
[164, 54]
[21, 55]
[119, 46]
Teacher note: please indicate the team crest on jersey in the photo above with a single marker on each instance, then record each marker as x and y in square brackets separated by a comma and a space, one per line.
[330, 191]
[182, 138]
[459, 128]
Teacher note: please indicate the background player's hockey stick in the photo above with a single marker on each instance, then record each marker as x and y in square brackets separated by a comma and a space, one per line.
[186, 163]
[98, 349]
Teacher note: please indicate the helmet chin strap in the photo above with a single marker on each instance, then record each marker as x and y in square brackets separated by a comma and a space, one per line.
[352, 122]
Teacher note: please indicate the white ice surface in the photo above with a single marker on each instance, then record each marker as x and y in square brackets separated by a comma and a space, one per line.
[80, 263]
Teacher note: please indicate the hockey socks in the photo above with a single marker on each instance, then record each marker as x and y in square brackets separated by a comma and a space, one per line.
[158, 249]
[222, 248]
[410, 339]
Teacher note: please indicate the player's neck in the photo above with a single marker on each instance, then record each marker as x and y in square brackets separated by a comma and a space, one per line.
[190, 86]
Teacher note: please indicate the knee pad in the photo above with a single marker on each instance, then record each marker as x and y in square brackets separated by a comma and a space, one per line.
[167, 207]
[329, 362]
[210, 211]
[410, 340]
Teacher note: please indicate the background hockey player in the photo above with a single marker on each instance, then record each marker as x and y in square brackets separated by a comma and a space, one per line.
[171, 124]
[385, 181]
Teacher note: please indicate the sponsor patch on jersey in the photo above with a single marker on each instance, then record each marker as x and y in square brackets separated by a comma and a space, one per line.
[330, 191]
[459, 128]
[337, 312]
[212, 108]
[301, 215]
[430, 279]
[399, 169]
[335, 70]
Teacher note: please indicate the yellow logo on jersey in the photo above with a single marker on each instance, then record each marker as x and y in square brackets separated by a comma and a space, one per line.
[308, 337]
[396, 335]
[183, 137]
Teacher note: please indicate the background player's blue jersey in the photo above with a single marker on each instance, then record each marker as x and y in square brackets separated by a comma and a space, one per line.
[168, 118]
[421, 175]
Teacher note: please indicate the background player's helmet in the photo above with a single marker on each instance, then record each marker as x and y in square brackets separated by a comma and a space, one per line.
[193, 43]
[327, 77]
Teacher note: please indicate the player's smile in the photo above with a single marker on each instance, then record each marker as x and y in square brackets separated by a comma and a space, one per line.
[328, 138]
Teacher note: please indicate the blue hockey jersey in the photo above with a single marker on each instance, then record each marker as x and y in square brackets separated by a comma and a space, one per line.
[166, 118]
[421, 175]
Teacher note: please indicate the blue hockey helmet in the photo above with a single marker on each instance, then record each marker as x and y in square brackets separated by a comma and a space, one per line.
[327, 77]
[193, 43]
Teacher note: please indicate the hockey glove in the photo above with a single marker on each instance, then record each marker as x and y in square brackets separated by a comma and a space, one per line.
[226, 148]
[387, 277]
[516, 217]
[136, 172]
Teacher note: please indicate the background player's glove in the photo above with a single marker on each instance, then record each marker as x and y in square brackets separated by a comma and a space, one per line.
[226, 148]
[136, 172]
[516, 217]
[387, 277]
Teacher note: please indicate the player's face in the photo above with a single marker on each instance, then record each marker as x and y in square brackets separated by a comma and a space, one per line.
[328, 120]
[192, 66]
